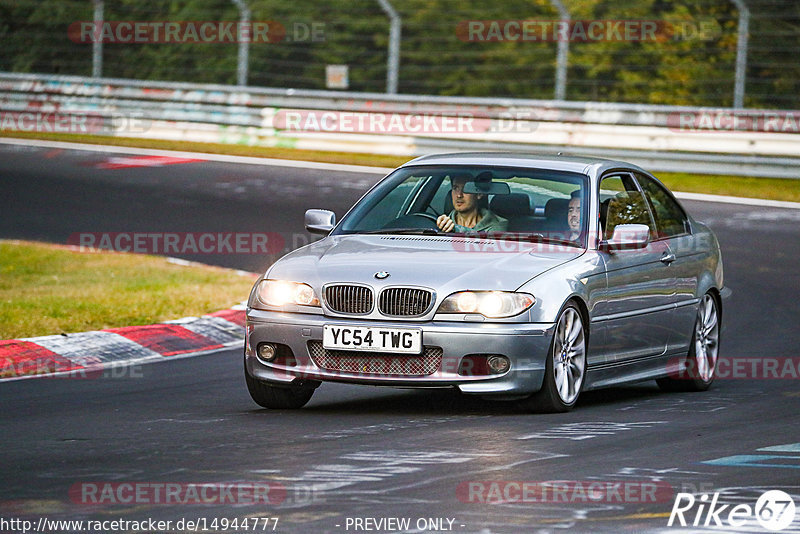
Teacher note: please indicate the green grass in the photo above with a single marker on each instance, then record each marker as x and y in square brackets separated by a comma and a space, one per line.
[46, 289]
[736, 186]
[739, 186]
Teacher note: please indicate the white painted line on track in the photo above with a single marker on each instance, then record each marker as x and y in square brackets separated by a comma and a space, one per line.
[223, 158]
[739, 200]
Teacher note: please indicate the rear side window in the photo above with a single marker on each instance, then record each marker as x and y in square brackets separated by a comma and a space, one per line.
[670, 217]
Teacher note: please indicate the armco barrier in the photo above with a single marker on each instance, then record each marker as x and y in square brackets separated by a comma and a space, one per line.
[662, 138]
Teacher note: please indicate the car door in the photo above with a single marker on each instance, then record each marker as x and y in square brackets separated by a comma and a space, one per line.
[635, 310]
[673, 227]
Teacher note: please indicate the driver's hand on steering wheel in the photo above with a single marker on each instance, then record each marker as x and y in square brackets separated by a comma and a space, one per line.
[445, 223]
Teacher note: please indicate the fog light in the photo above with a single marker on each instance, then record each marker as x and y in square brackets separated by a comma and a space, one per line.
[266, 351]
[498, 364]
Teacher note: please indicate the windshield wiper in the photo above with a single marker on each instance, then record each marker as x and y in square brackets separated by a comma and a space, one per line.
[539, 238]
[506, 236]
[528, 237]
[404, 231]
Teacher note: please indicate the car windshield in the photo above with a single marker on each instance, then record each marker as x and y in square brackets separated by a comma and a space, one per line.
[485, 201]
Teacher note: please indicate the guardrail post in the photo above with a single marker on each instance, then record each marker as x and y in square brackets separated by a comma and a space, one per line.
[244, 36]
[97, 43]
[393, 61]
[562, 53]
[741, 53]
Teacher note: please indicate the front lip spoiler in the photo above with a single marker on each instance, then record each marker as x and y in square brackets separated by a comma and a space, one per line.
[438, 379]
[504, 384]
[387, 381]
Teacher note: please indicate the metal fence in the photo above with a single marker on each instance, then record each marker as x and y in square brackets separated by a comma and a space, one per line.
[732, 53]
[661, 138]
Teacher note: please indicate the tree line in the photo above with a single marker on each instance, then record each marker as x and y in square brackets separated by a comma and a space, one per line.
[448, 47]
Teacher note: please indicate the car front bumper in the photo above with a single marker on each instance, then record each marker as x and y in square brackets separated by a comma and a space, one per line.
[526, 345]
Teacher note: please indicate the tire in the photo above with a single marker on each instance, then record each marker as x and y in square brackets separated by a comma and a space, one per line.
[565, 367]
[277, 397]
[703, 356]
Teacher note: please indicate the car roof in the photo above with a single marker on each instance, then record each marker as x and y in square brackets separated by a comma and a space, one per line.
[582, 164]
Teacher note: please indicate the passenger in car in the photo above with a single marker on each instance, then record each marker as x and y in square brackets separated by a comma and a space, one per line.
[574, 216]
[467, 215]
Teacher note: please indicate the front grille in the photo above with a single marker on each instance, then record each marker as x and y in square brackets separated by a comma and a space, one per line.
[346, 298]
[376, 363]
[404, 301]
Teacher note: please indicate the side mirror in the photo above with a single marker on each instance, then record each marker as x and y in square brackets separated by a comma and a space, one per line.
[320, 221]
[627, 237]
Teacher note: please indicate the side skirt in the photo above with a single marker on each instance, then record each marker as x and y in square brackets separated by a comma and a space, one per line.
[637, 370]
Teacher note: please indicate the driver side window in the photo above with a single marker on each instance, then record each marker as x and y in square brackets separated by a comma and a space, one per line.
[621, 202]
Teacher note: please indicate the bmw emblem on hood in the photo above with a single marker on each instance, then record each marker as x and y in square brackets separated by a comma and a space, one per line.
[380, 275]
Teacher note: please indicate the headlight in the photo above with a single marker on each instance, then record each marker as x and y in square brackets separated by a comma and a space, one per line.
[282, 292]
[493, 304]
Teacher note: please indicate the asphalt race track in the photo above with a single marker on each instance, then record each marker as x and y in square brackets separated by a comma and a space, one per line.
[360, 452]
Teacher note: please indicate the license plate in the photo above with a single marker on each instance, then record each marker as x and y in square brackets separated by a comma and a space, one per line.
[372, 338]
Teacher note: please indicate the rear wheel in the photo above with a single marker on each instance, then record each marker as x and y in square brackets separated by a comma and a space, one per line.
[565, 368]
[277, 397]
[701, 362]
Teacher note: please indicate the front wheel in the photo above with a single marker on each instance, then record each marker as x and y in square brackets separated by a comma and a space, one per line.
[701, 362]
[565, 368]
[276, 397]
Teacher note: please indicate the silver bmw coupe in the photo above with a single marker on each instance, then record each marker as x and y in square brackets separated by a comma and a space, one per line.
[502, 275]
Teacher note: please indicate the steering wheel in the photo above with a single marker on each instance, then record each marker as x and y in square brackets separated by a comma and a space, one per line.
[425, 215]
[413, 220]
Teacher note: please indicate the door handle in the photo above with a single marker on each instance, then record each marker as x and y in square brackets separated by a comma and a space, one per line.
[668, 258]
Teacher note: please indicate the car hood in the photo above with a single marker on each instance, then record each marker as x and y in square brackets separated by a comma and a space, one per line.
[438, 262]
